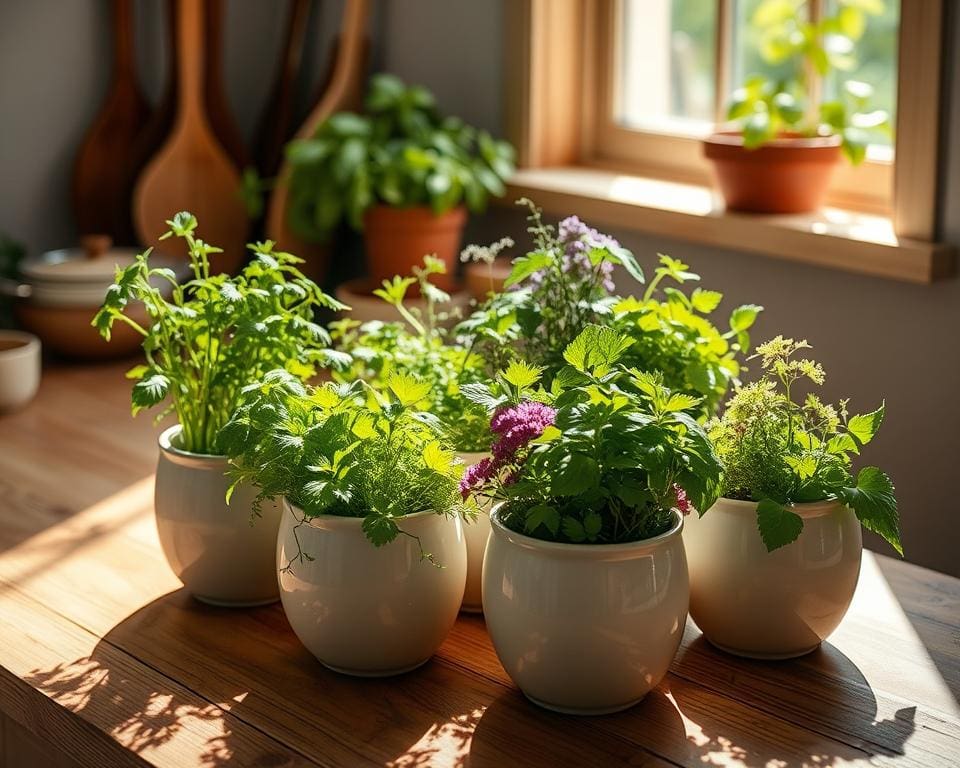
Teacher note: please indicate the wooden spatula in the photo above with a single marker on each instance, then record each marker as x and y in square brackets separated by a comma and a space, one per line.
[101, 202]
[192, 171]
[344, 92]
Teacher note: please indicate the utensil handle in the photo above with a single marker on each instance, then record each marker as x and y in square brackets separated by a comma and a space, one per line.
[190, 63]
[123, 60]
[13, 289]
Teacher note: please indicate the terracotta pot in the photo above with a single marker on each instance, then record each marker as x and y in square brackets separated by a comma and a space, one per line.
[477, 533]
[365, 610]
[221, 557]
[484, 279]
[585, 629]
[789, 174]
[771, 605]
[397, 239]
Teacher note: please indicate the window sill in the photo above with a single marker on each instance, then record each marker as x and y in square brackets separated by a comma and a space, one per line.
[833, 238]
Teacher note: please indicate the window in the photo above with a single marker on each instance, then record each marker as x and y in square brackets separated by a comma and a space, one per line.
[608, 100]
[669, 67]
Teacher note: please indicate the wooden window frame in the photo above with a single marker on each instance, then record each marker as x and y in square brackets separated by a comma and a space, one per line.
[558, 82]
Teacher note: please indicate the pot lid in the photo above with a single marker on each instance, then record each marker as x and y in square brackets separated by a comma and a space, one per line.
[94, 262]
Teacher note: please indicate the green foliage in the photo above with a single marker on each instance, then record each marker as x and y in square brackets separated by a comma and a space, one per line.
[419, 347]
[401, 152]
[343, 449]
[565, 284]
[215, 333]
[621, 453]
[780, 450]
[11, 252]
[765, 106]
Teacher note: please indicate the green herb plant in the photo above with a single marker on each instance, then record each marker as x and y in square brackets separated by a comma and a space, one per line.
[344, 449]
[765, 106]
[565, 283]
[779, 449]
[419, 346]
[215, 333]
[602, 457]
[402, 152]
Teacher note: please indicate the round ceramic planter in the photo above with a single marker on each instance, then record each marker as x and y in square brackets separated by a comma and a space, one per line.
[19, 369]
[789, 174]
[365, 610]
[585, 628]
[476, 533]
[212, 547]
[771, 605]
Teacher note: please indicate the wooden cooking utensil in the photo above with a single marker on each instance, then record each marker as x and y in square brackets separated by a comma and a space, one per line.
[344, 92]
[100, 190]
[276, 123]
[192, 171]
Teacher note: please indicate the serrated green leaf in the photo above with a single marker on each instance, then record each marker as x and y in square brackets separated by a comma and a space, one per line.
[408, 389]
[524, 266]
[705, 301]
[874, 502]
[743, 317]
[380, 529]
[542, 514]
[521, 375]
[778, 525]
[573, 529]
[865, 426]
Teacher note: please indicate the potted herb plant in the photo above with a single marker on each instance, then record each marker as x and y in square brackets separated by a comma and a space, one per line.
[419, 345]
[370, 495]
[585, 585]
[774, 564]
[566, 282]
[207, 339]
[786, 140]
[402, 172]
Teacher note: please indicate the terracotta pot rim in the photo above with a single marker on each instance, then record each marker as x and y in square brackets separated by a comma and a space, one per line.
[624, 551]
[29, 344]
[412, 216]
[784, 140]
[188, 458]
[806, 510]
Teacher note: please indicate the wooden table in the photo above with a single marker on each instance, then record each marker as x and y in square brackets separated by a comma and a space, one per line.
[104, 661]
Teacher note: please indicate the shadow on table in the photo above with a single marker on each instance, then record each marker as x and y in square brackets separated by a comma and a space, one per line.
[816, 710]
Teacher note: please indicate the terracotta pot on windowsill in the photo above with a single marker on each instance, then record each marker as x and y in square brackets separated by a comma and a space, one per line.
[397, 239]
[789, 174]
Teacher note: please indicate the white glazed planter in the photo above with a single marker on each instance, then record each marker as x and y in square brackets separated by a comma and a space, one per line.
[476, 532]
[585, 628]
[771, 605]
[212, 547]
[19, 369]
[366, 610]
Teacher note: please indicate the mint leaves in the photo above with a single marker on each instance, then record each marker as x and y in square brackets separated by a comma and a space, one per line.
[873, 501]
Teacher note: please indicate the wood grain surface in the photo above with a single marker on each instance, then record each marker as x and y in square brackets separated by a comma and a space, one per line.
[104, 660]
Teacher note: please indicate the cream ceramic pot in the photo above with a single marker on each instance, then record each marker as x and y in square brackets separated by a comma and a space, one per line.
[212, 547]
[585, 628]
[476, 532]
[771, 605]
[19, 369]
[366, 610]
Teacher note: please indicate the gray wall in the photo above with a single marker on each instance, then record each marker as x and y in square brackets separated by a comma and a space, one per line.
[877, 338]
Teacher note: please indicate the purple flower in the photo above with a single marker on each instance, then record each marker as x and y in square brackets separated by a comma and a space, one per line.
[516, 426]
[476, 475]
[682, 503]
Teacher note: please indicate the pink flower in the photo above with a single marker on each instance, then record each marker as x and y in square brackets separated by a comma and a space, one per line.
[682, 503]
[516, 426]
[476, 475]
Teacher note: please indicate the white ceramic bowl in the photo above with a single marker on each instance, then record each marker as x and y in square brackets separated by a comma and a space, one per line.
[771, 605]
[585, 629]
[365, 610]
[19, 369]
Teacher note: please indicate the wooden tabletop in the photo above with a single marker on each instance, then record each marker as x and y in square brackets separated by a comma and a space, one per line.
[105, 661]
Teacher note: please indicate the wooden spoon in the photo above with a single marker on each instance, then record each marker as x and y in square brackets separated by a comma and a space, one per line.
[344, 92]
[101, 202]
[218, 107]
[192, 171]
